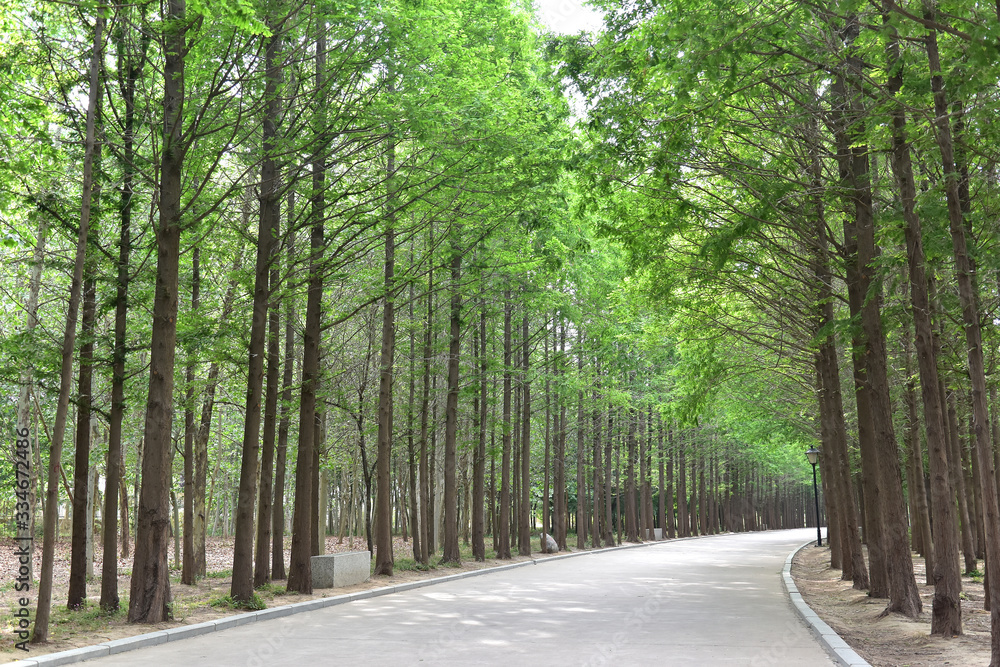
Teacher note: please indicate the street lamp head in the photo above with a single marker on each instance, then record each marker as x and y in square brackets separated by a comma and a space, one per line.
[813, 455]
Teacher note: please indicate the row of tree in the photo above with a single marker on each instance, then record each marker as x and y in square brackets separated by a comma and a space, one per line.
[814, 186]
[429, 319]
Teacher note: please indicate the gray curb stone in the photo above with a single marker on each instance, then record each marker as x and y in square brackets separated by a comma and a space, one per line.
[831, 641]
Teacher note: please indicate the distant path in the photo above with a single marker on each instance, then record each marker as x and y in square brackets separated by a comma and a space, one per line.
[715, 601]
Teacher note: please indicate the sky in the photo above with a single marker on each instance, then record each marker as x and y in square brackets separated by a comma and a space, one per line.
[567, 16]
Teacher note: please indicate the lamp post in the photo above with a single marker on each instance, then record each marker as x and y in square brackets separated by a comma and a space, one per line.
[813, 455]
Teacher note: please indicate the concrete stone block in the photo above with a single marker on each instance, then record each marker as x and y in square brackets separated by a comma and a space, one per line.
[344, 569]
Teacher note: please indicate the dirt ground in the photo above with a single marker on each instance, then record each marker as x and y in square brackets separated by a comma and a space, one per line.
[893, 640]
[192, 604]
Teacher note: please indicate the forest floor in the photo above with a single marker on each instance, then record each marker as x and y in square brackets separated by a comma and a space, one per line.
[893, 640]
[192, 604]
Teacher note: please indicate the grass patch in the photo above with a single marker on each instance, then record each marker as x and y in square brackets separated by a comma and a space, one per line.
[256, 603]
[219, 574]
[409, 564]
[269, 590]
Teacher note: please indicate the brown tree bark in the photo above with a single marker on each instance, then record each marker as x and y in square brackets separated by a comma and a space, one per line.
[241, 589]
[450, 550]
[425, 484]
[303, 520]
[524, 522]
[383, 500]
[479, 459]
[854, 161]
[270, 200]
[581, 490]
[598, 504]
[149, 599]
[81, 462]
[683, 525]
[503, 544]
[631, 520]
[560, 504]
[958, 481]
[44, 605]
[412, 456]
[284, 422]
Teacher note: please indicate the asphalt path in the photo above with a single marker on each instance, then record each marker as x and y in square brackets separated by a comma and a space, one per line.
[714, 601]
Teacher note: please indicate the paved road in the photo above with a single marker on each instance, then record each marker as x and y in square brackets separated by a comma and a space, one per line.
[715, 601]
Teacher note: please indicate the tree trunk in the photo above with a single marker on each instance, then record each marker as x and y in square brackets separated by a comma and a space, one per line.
[631, 520]
[524, 524]
[26, 440]
[412, 461]
[284, 423]
[303, 523]
[581, 486]
[425, 483]
[81, 462]
[903, 594]
[479, 460]
[149, 599]
[44, 606]
[188, 564]
[383, 500]
[271, 202]
[598, 505]
[503, 544]
[241, 589]
[450, 550]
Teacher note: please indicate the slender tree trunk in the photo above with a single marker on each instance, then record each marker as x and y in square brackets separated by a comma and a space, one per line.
[684, 527]
[149, 600]
[383, 500]
[609, 536]
[81, 467]
[671, 527]
[243, 569]
[44, 607]
[479, 460]
[26, 437]
[546, 465]
[831, 400]
[425, 484]
[503, 545]
[598, 508]
[412, 456]
[581, 490]
[524, 526]
[187, 564]
[660, 455]
[631, 520]
[958, 481]
[903, 594]
[450, 550]
[559, 448]
[303, 521]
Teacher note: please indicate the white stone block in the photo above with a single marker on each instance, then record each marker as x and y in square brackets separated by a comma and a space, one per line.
[343, 569]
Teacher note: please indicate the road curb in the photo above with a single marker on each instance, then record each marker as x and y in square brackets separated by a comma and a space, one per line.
[84, 653]
[831, 641]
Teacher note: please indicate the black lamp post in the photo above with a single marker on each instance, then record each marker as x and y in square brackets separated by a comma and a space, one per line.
[813, 455]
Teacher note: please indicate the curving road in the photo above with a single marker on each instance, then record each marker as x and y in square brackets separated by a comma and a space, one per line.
[715, 601]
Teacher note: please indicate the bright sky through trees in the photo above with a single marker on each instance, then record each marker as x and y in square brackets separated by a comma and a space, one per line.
[568, 16]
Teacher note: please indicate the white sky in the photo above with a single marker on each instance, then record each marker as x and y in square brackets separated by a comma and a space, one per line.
[568, 16]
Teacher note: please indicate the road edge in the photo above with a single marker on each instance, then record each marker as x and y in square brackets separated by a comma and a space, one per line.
[831, 641]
